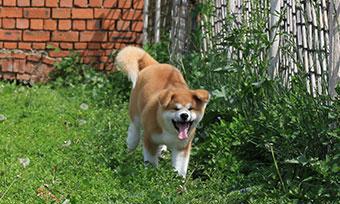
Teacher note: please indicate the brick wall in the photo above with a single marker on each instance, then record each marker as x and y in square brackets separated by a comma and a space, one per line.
[30, 30]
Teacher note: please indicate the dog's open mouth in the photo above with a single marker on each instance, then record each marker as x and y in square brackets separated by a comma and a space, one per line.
[182, 128]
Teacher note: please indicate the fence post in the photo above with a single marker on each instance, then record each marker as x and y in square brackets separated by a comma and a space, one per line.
[178, 36]
[334, 46]
[274, 37]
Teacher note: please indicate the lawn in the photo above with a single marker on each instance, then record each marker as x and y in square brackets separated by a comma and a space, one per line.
[62, 144]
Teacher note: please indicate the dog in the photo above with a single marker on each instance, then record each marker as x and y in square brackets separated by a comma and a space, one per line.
[163, 106]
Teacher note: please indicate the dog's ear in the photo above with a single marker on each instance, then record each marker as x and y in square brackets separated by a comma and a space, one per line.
[201, 95]
[165, 97]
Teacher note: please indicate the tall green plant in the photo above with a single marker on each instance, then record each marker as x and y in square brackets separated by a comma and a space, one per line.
[257, 131]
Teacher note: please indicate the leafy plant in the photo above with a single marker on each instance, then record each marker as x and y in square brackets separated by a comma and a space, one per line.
[257, 131]
[71, 72]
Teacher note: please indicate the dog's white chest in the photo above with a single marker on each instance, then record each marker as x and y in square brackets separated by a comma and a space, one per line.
[170, 140]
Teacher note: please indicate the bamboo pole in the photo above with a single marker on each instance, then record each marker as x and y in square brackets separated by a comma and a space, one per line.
[145, 21]
[316, 50]
[231, 11]
[299, 34]
[309, 46]
[304, 47]
[274, 37]
[334, 54]
[294, 30]
[323, 46]
[157, 23]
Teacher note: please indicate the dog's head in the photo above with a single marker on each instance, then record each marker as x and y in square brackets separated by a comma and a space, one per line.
[182, 109]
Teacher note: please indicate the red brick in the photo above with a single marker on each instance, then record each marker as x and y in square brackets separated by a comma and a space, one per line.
[110, 3]
[64, 25]
[9, 2]
[66, 46]
[137, 26]
[1, 45]
[101, 66]
[37, 24]
[33, 58]
[18, 55]
[109, 24]
[22, 23]
[104, 59]
[80, 45]
[37, 36]
[11, 12]
[37, 13]
[5, 55]
[138, 4]
[50, 24]
[93, 24]
[80, 3]
[123, 25]
[119, 45]
[10, 45]
[52, 45]
[39, 46]
[7, 65]
[124, 4]
[130, 14]
[70, 36]
[107, 13]
[23, 77]
[49, 61]
[10, 35]
[96, 3]
[8, 23]
[61, 13]
[94, 46]
[23, 3]
[109, 67]
[9, 76]
[24, 46]
[0, 22]
[90, 60]
[79, 13]
[51, 3]
[62, 53]
[66, 3]
[107, 45]
[79, 25]
[19, 65]
[93, 53]
[38, 3]
[122, 36]
[93, 36]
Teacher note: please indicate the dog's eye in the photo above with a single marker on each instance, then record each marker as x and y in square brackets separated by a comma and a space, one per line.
[190, 109]
[177, 109]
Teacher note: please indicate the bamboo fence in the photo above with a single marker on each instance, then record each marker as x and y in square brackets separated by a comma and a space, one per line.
[305, 34]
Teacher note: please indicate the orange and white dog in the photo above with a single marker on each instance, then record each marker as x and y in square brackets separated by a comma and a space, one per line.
[163, 106]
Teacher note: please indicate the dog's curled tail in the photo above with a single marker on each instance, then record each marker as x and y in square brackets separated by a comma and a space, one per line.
[131, 60]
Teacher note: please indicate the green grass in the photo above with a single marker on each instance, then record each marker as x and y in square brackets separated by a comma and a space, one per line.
[79, 154]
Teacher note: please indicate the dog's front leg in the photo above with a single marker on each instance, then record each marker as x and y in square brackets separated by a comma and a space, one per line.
[150, 151]
[180, 160]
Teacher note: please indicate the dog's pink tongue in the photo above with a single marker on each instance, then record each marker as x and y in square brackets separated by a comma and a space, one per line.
[183, 131]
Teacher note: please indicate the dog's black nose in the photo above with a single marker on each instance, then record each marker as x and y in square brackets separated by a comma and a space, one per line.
[184, 116]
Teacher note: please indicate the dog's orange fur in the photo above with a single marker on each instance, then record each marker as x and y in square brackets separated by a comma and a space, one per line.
[158, 88]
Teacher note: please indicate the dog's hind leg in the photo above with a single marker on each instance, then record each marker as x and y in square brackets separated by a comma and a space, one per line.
[133, 134]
